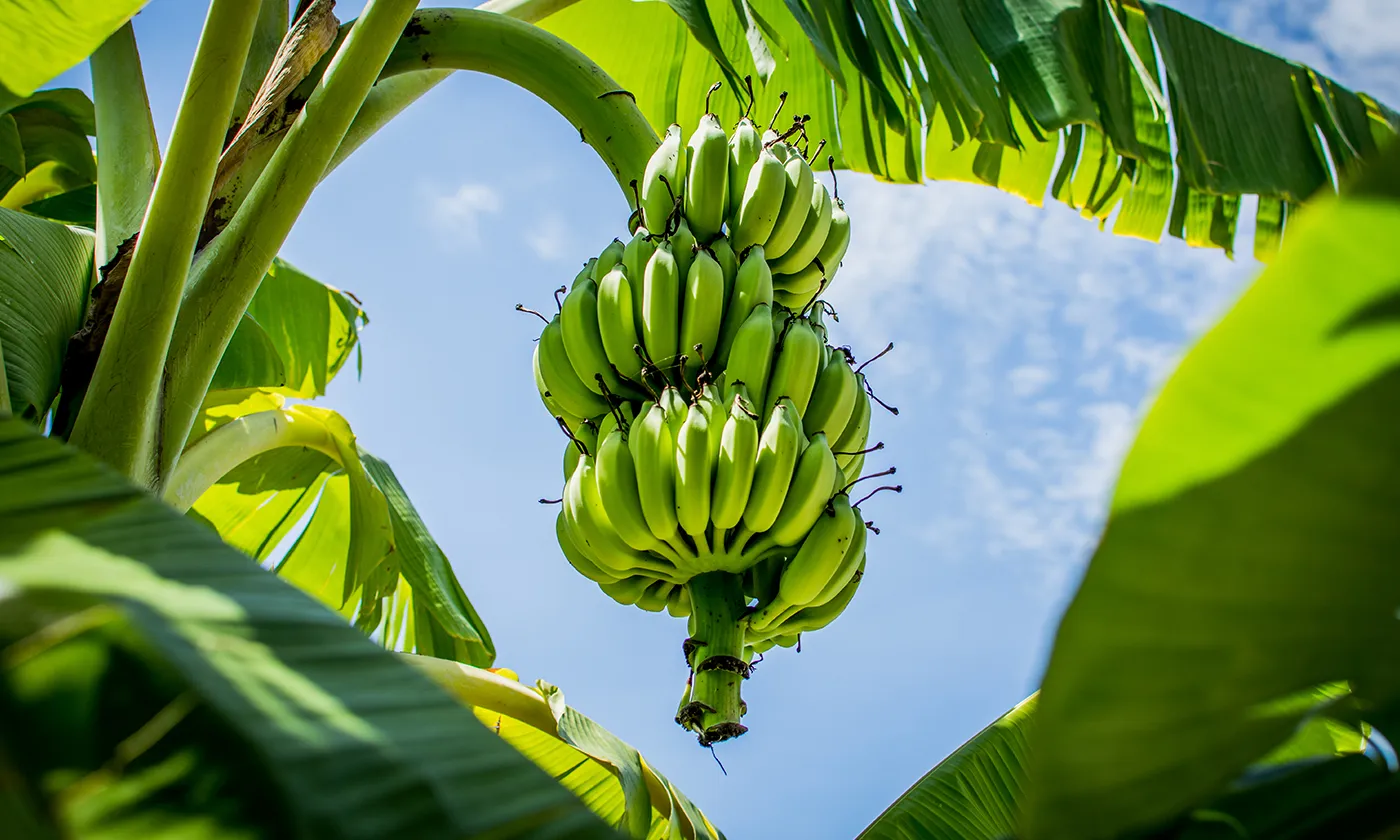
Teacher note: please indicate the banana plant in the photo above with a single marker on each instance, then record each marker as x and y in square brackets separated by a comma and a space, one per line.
[148, 327]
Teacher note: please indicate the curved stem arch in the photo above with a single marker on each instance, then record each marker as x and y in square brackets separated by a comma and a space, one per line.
[606, 116]
[240, 440]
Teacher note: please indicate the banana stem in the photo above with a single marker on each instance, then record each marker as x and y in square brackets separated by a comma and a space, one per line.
[119, 421]
[717, 605]
[605, 115]
[229, 269]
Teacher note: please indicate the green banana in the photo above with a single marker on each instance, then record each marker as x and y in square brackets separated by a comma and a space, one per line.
[653, 598]
[629, 590]
[617, 323]
[856, 431]
[561, 381]
[857, 466]
[586, 274]
[838, 239]
[678, 602]
[615, 548]
[797, 204]
[752, 353]
[663, 182]
[616, 474]
[734, 464]
[555, 409]
[652, 446]
[744, 147]
[795, 369]
[707, 181]
[820, 615]
[805, 283]
[817, 319]
[661, 298]
[814, 565]
[832, 600]
[637, 253]
[851, 561]
[778, 450]
[634, 261]
[588, 434]
[609, 422]
[833, 398]
[683, 246]
[702, 312]
[808, 496]
[676, 408]
[812, 236]
[693, 473]
[796, 303]
[763, 198]
[583, 341]
[753, 285]
[728, 262]
[611, 256]
[763, 575]
[594, 538]
[782, 151]
[711, 405]
[576, 557]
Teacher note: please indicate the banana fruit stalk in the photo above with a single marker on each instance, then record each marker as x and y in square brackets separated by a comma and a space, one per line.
[714, 433]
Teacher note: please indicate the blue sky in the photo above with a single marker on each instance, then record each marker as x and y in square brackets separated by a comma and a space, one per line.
[1027, 344]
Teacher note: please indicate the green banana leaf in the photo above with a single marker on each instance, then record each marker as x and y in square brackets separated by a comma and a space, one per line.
[610, 776]
[990, 90]
[40, 40]
[1249, 554]
[44, 151]
[1311, 788]
[295, 337]
[357, 544]
[45, 269]
[157, 683]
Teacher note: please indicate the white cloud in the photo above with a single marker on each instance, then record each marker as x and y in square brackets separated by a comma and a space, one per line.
[1363, 29]
[1043, 336]
[460, 213]
[1356, 42]
[1029, 380]
[1089, 477]
[550, 239]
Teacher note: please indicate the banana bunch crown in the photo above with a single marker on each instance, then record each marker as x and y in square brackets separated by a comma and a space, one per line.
[714, 434]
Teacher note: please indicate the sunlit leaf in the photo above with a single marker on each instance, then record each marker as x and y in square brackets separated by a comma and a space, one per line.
[1251, 543]
[610, 776]
[133, 636]
[1243, 121]
[296, 335]
[976, 793]
[41, 40]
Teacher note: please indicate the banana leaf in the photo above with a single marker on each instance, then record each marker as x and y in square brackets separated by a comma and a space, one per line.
[1004, 78]
[157, 683]
[1318, 783]
[337, 523]
[45, 269]
[1249, 551]
[606, 773]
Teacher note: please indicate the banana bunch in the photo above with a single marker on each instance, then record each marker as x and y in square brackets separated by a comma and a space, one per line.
[714, 434]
